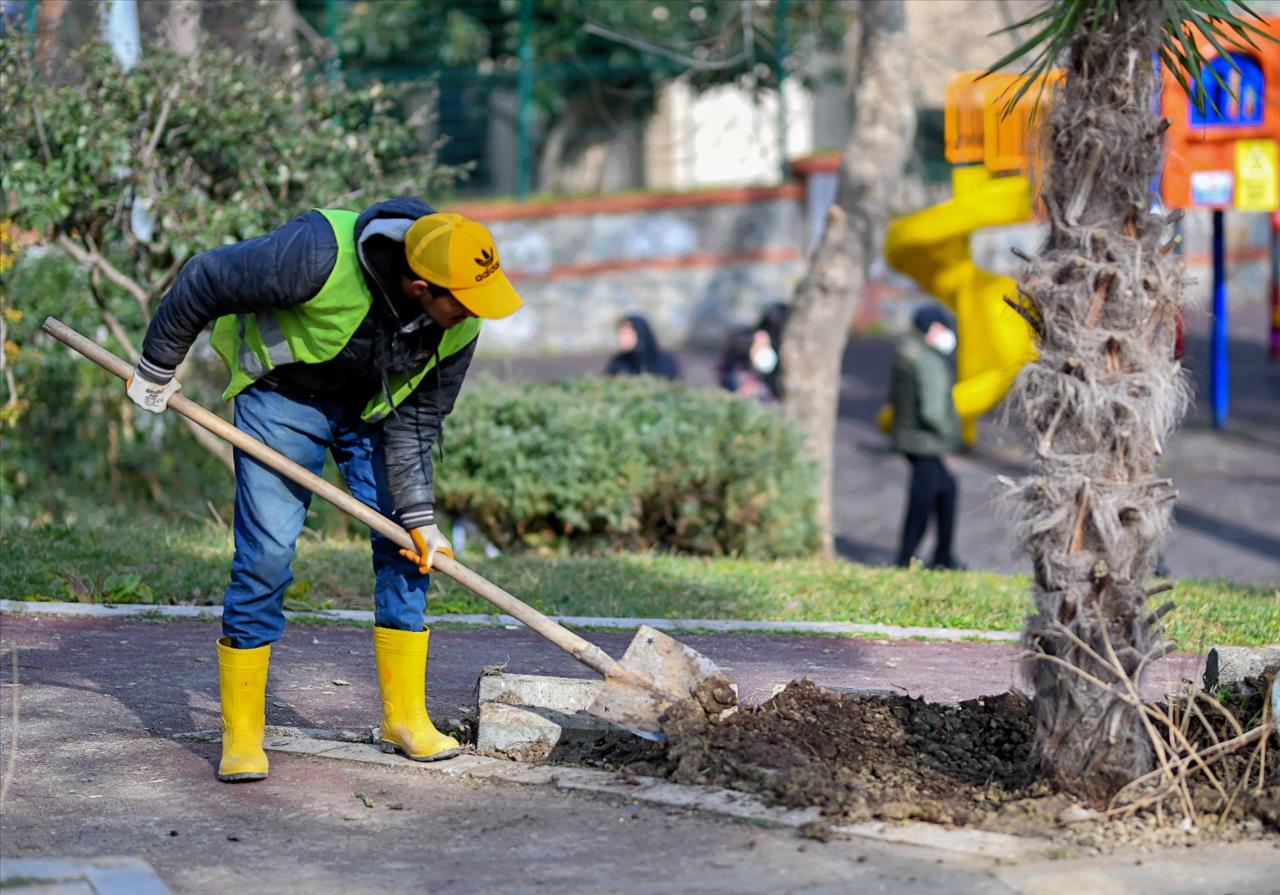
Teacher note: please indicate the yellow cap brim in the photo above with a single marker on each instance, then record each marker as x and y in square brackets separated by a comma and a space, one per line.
[493, 299]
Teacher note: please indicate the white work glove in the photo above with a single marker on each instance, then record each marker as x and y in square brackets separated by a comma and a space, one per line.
[150, 396]
[429, 542]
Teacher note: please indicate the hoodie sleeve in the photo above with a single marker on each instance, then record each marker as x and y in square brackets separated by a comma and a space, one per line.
[284, 268]
[410, 433]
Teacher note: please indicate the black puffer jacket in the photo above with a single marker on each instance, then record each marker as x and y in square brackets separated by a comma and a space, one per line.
[288, 267]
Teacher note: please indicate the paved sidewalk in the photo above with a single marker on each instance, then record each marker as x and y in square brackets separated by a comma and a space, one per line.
[164, 671]
[100, 770]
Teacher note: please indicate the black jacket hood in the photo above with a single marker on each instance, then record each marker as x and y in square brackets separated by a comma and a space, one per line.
[646, 342]
[380, 232]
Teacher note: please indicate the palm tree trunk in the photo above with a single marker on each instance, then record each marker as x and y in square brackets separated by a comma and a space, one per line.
[1099, 403]
[870, 170]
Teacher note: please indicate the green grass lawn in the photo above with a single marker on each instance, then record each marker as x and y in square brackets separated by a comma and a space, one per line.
[150, 563]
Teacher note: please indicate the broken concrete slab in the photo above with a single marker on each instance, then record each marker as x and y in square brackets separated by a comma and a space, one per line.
[1226, 666]
[523, 712]
[565, 694]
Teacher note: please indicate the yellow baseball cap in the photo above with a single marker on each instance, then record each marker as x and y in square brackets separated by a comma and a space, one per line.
[458, 254]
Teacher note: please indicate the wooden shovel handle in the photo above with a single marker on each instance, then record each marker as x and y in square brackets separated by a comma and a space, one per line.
[584, 651]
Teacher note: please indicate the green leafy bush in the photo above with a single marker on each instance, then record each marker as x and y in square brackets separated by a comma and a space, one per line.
[112, 179]
[630, 463]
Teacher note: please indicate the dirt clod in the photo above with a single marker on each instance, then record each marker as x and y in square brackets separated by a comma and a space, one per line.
[815, 830]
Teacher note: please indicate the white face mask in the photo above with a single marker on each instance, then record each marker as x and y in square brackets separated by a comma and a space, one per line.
[764, 360]
[944, 341]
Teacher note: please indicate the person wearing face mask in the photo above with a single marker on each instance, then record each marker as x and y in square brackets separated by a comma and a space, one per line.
[347, 333]
[747, 363]
[766, 345]
[750, 366]
[638, 352]
[926, 428]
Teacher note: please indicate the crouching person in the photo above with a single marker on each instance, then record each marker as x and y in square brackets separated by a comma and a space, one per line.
[347, 333]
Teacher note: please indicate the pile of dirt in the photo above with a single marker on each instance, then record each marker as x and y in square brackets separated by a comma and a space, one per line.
[859, 758]
[854, 757]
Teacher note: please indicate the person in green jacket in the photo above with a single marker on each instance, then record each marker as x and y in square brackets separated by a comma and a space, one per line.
[926, 428]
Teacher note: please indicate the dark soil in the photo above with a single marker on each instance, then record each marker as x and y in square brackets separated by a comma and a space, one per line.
[859, 758]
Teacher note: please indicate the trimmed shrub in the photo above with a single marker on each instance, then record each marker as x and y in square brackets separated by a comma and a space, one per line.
[627, 463]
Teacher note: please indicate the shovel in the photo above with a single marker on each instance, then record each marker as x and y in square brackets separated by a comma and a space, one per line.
[656, 671]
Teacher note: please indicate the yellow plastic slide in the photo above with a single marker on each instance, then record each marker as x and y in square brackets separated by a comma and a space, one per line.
[932, 247]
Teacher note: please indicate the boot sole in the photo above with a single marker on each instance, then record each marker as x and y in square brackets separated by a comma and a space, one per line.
[388, 746]
[243, 777]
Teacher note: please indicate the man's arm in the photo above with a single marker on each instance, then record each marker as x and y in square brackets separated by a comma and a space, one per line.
[282, 269]
[410, 433]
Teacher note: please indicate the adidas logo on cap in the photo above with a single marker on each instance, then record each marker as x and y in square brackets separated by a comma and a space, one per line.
[488, 262]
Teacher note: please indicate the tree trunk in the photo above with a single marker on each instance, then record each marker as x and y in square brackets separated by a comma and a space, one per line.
[182, 27]
[281, 26]
[49, 17]
[1099, 403]
[870, 170]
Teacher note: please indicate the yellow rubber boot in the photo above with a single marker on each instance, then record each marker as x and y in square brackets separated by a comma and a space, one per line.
[402, 675]
[242, 674]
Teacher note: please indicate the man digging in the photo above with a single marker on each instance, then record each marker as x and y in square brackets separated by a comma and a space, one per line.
[348, 333]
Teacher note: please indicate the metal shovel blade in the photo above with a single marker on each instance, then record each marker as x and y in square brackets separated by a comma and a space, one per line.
[655, 672]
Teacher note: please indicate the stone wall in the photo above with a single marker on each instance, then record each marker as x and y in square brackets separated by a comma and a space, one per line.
[696, 265]
[700, 264]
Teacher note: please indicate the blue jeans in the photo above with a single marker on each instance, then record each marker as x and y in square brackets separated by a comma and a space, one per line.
[270, 511]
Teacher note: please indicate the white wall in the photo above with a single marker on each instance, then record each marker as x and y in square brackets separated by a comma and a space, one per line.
[726, 136]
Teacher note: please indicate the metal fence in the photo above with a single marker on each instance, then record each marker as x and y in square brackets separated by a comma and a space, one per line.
[536, 100]
[563, 96]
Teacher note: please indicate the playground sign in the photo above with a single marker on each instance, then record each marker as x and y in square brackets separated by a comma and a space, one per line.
[1222, 155]
[1222, 152]
[1257, 184]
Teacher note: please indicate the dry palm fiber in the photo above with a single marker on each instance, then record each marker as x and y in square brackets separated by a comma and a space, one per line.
[1099, 402]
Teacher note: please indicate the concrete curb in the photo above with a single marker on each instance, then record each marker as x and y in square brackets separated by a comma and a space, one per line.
[686, 625]
[741, 806]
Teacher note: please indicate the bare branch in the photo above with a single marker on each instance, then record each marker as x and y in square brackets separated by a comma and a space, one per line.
[161, 120]
[112, 321]
[44, 140]
[91, 257]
